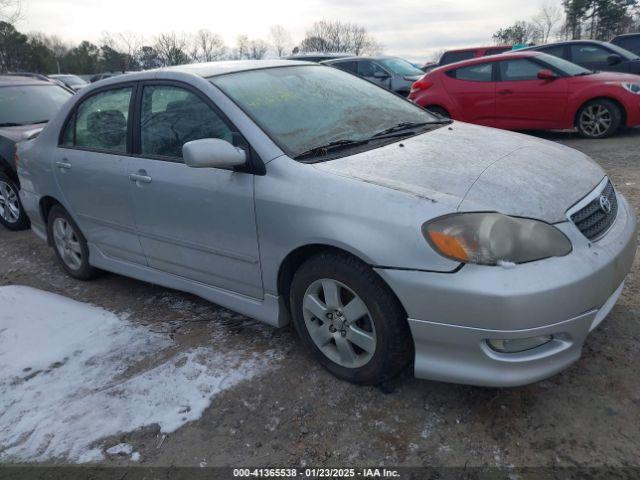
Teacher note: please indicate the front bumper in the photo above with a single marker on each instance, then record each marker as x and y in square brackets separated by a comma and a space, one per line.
[452, 315]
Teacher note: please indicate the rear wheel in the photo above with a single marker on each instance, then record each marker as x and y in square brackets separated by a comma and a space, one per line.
[12, 215]
[349, 319]
[69, 244]
[599, 119]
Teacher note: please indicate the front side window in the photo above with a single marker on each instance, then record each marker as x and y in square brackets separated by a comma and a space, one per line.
[519, 70]
[304, 107]
[101, 122]
[369, 69]
[351, 67]
[172, 116]
[30, 104]
[475, 73]
[589, 54]
[556, 51]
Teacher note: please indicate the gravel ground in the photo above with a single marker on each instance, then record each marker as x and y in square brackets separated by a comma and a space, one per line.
[299, 415]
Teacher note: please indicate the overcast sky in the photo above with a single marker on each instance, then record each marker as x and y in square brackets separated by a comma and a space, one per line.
[414, 29]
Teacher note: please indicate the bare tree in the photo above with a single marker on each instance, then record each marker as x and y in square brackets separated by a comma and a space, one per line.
[207, 46]
[550, 15]
[242, 47]
[172, 49]
[280, 39]
[10, 10]
[339, 37]
[128, 44]
[258, 49]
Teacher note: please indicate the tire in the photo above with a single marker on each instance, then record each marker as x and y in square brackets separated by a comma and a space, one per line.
[599, 119]
[69, 244]
[382, 319]
[12, 214]
[439, 111]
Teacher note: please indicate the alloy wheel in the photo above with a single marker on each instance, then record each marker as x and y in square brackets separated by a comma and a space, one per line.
[339, 323]
[67, 243]
[9, 206]
[595, 120]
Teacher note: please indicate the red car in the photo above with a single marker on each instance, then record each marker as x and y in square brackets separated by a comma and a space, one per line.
[452, 56]
[531, 91]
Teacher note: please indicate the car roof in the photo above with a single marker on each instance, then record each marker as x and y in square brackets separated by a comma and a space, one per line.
[18, 80]
[213, 69]
[624, 35]
[473, 49]
[566, 42]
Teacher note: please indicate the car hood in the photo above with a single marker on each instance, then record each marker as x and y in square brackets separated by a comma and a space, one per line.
[473, 168]
[602, 77]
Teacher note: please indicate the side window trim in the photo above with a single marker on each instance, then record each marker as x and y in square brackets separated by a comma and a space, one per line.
[255, 165]
[72, 117]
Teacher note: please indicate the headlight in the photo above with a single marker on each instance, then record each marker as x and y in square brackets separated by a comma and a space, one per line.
[632, 87]
[493, 238]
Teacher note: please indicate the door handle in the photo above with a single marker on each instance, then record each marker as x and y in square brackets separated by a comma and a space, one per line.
[139, 178]
[505, 92]
[63, 165]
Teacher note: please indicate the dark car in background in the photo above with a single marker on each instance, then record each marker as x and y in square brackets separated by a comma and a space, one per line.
[629, 41]
[594, 55]
[458, 55]
[393, 73]
[26, 104]
[73, 82]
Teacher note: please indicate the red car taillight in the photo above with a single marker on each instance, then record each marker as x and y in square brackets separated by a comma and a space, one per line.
[421, 84]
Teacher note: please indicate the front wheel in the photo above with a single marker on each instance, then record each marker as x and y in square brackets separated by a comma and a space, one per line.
[599, 119]
[350, 320]
[12, 215]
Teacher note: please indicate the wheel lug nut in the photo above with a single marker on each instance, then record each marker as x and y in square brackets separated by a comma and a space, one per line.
[332, 329]
[343, 333]
[330, 316]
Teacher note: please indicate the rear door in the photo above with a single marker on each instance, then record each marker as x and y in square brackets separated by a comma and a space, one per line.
[523, 101]
[196, 223]
[90, 167]
[473, 90]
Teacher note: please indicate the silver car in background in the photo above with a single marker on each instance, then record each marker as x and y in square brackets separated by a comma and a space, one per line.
[295, 192]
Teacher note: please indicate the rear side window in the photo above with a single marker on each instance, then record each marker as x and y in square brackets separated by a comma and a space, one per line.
[475, 73]
[519, 70]
[351, 67]
[556, 51]
[100, 122]
[452, 57]
[172, 116]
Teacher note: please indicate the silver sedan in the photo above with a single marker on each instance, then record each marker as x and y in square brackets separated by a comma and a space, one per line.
[294, 192]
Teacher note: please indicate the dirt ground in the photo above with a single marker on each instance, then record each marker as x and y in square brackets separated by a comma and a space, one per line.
[299, 415]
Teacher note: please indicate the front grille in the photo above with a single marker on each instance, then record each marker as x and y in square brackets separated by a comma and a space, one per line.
[594, 219]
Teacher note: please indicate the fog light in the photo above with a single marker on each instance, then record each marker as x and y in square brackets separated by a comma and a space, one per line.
[514, 345]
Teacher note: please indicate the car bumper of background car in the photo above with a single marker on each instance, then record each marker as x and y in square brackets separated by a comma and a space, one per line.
[31, 204]
[452, 315]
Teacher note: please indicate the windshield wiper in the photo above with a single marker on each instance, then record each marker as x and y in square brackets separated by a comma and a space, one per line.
[400, 127]
[10, 124]
[330, 147]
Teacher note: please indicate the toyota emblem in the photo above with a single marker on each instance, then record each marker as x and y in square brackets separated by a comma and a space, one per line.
[605, 204]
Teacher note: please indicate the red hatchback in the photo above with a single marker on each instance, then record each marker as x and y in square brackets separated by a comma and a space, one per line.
[531, 91]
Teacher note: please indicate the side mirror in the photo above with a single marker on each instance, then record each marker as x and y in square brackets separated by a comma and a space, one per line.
[380, 75]
[614, 60]
[546, 75]
[213, 153]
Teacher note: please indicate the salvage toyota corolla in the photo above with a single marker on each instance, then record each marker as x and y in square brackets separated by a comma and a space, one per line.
[287, 190]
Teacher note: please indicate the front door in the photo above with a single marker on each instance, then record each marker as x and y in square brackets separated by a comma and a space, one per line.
[90, 167]
[195, 223]
[596, 58]
[523, 101]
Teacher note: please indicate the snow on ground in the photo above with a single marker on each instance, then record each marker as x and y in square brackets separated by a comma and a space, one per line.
[72, 374]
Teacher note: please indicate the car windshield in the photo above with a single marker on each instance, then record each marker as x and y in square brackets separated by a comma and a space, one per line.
[305, 107]
[399, 66]
[564, 66]
[70, 79]
[29, 104]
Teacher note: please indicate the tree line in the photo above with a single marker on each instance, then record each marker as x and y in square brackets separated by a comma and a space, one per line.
[47, 54]
[574, 20]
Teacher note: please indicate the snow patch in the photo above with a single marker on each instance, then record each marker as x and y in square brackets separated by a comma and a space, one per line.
[120, 449]
[72, 374]
[506, 264]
